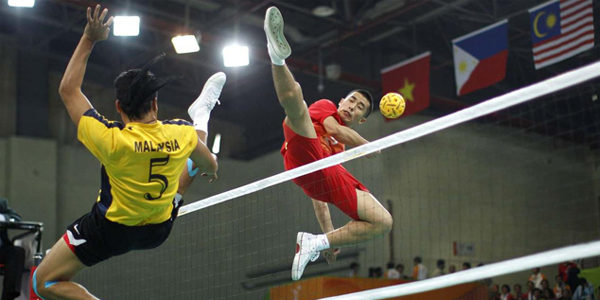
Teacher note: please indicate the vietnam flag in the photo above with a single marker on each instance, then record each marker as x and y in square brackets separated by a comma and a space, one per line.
[410, 79]
[480, 58]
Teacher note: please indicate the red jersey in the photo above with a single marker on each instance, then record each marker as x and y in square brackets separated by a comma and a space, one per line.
[319, 111]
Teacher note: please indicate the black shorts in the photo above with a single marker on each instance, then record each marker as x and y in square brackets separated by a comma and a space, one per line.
[93, 238]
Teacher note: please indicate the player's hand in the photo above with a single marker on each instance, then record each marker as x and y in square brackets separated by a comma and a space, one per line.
[374, 154]
[331, 255]
[212, 177]
[96, 30]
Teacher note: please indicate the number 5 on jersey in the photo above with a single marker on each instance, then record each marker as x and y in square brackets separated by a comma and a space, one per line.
[162, 179]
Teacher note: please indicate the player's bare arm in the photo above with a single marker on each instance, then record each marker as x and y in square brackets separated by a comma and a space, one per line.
[205, 160]
[343, 134]
[70, 86]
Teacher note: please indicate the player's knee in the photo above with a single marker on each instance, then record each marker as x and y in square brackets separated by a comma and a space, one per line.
[386, 223]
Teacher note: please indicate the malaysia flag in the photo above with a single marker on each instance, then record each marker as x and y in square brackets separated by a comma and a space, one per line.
[480, 58]
[561, 29]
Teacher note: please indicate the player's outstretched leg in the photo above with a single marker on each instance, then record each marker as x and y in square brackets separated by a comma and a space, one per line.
[374, 222]
[200, 111]
[288, 90]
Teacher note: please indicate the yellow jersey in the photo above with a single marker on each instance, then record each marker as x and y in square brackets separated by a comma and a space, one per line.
[141, 165]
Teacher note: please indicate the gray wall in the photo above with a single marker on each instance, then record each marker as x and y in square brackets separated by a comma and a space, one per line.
[506, 192]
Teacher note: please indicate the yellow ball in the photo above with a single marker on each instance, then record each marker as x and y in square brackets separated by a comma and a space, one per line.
[392, 105]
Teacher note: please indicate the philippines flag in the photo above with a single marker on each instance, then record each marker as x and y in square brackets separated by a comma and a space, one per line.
[561, 29]
[480, 58]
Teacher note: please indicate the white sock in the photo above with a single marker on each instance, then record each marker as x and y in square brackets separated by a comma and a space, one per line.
[274, 58]
[322, 242]
[201, 119]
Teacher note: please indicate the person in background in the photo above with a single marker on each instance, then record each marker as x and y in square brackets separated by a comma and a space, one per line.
[563, 269]
[585, 291]
[13, 257]
[400, 269]
[494, 293]
[505, 292]
[560, 286]
[419, 270]
[537, 278]
[530, 290]
[573, 279]
[548, 294]
[567, 295]
[466, 266]
[378, 272]
[519, 292]
[441, 264]
[537, 295]
[391, 273]
[451, 269]
[353, 270]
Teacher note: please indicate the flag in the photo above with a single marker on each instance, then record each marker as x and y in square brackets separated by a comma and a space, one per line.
[410, 79]
[561, 29]
[480, 57]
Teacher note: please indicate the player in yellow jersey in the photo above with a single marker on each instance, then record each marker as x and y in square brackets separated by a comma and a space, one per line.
[144, 160]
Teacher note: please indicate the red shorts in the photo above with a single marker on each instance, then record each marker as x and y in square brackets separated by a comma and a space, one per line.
[333, 185]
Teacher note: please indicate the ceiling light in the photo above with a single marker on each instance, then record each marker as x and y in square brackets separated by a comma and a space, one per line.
[21, 3]
[217, 144]
[323, 11]
[236, 56]
[127, 26]
[185, 44]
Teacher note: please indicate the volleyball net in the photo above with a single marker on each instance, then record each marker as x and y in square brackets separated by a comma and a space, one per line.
[511, 182]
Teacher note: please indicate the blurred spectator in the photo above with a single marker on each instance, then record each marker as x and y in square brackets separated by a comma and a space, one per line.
[567, 295]
[378, 272]
[371, 272]
[441, 265]
[530, 290]
[560, 286]
[13, 257]
[353, 270]
[519, 292]
[485, 281]
[585, 291]
[494, 293]
[563, 269]
[466, 266]
[400, 269]
[573, 278]
[451, 269]
[419, 270]
[545, 285]
[548, 294]
[537, 278]
[391, 273]
[505, 293]
[537, 295]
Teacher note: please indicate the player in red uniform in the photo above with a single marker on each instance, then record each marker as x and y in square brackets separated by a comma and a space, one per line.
[314, 133]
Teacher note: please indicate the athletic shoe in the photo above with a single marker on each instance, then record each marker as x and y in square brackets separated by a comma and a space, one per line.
[278, 45]
[306, 250]
[210, 94]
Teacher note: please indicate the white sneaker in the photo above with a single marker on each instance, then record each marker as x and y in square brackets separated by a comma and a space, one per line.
[210, 94]
[273, 26]
[306, 250]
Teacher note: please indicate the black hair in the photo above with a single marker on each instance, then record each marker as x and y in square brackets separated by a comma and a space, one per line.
[400, 266]
[517, 285]
[353, 265]
[137, 88]
[417, 259]
[440, 262]
[369, 98]
[134, 111]
[466, 264]
[507, 287]
[390, 265]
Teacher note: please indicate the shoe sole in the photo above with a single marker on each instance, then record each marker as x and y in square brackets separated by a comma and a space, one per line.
[295, 264]
[208, 82]
[274, 29]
